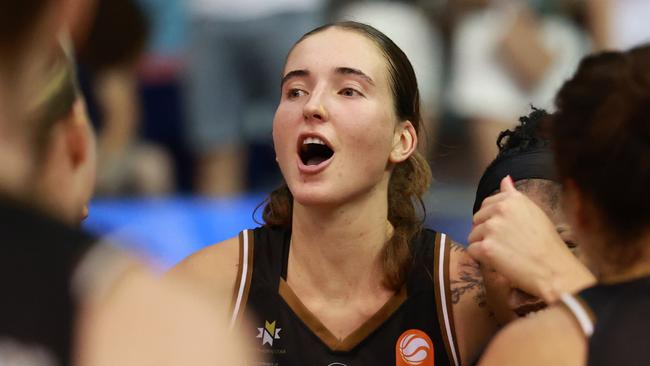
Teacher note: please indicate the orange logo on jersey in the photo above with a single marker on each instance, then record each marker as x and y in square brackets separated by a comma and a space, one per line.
[414, 347]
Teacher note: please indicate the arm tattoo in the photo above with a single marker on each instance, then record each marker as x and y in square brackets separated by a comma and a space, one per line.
[469, 280]
[455, 247]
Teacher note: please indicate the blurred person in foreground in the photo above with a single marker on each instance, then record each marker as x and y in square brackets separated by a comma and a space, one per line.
[601, 136]
[68, 300]
[526, 157]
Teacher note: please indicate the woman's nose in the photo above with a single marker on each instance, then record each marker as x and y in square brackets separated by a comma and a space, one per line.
[314, 109]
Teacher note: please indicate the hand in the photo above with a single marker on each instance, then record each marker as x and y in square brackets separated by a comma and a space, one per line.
[512, 235]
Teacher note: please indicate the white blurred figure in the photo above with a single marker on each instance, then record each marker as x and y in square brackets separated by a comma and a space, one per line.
[506, 57]
[618, 24]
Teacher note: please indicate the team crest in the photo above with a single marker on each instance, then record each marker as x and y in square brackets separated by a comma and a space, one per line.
[269, 333]
[414, 348]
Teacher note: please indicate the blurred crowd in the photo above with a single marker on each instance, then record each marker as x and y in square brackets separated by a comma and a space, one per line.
[184, 96]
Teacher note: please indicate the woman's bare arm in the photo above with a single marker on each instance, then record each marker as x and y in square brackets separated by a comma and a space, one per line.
[474, 323]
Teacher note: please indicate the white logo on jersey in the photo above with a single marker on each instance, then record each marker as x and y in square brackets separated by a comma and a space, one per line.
[269, 333]
[414, 349]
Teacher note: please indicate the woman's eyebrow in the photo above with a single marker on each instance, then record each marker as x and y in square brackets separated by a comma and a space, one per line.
[294, 74]
[357, 72]
[339, 70]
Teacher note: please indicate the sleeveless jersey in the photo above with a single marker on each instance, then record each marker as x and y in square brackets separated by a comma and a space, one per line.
[414, 327]
[616, 320]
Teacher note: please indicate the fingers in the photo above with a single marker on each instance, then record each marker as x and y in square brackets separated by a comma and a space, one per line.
[477, 234]
[507, 184]
[496, 207]
[486, 253]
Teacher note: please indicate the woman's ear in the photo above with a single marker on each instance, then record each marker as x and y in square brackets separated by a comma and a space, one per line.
[82, 159]
[405, 141]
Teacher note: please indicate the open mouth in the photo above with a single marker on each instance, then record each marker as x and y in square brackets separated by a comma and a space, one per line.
[529, 308]
[314, 151]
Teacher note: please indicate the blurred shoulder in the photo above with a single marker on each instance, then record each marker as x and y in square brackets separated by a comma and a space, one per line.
[548, 337]
[172, 319]
[214, 267]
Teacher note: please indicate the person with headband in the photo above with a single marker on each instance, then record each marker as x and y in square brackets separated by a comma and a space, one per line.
[601, 139]
[526, 159]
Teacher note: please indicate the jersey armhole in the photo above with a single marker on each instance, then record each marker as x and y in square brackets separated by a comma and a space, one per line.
[244, 274]
[442, 290]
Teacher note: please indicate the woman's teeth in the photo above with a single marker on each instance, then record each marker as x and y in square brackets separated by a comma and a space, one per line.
[313, 140]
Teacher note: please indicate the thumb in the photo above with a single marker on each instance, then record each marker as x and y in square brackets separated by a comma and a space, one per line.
[507, 185]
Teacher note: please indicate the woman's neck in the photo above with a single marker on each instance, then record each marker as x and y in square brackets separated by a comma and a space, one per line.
[338, 250]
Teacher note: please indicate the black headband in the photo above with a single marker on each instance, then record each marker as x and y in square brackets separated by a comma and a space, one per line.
[534, 164]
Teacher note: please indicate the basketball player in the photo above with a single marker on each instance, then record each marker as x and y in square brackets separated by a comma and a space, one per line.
[601, 133]
[342, 273]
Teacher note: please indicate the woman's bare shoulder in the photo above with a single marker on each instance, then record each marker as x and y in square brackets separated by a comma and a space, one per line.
[549, 337]
[214, 267]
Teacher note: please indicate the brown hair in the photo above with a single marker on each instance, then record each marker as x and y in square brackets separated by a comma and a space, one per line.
[17, 23]
[54, 100]
[410, 179]
[602, 140]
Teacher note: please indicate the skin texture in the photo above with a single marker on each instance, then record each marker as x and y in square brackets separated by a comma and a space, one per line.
[513, 236]
[67, 174]
[549, 337]
[352, 112]
[507, 302]
[336, 87]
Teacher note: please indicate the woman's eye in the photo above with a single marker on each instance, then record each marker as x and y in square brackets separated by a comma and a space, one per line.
[349, 92]
[295, 93]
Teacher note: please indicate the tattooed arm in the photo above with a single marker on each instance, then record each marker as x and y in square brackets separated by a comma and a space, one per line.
[473, 321]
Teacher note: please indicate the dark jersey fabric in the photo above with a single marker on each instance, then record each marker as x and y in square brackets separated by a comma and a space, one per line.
[37, 259]
[297, 343]
[622, 323]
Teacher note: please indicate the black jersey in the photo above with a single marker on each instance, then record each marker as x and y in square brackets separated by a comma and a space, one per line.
[616, 320]
[37, 259]
[415, 327]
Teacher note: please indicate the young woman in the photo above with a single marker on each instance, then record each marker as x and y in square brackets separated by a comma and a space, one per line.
[601, 133]
[342, 272]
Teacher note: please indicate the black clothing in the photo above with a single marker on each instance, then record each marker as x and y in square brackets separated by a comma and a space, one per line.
[616, 319]
[286, 332]
[38, 257]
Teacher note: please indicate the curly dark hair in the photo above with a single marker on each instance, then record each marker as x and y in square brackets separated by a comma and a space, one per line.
[532, 133]
[601, 134]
